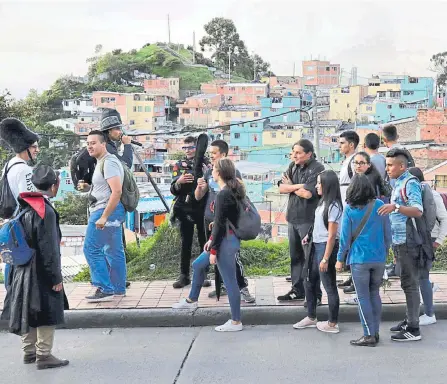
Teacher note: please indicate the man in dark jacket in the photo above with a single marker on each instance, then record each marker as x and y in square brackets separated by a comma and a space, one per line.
[38, 283]
[299, 182]
[187, 210]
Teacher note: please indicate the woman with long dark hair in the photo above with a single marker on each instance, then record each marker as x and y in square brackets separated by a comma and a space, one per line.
[223, 245]
[323, 257]
[362, 164]
[365, 239]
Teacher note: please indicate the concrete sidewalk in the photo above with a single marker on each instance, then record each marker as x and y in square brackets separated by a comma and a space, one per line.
[148, 304]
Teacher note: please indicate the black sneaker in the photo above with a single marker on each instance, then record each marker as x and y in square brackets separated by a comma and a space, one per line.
[292, 296]
[127, 284]
[99, 297]
[346, 283]
[399, 327]
[318, 302]
[364, 341]
[289, 278]
[349, 290]
[182, 282]
[407, 334]
[206, 284]
[223, 292]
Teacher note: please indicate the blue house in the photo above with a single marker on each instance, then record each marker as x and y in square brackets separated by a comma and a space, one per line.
[415, 93]
[393, 110]
[66, 185]
[246, 135]
[417, 90]
[271, 106]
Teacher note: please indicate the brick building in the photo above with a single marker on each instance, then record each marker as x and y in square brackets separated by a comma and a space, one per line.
[322, 73]
[433, 124]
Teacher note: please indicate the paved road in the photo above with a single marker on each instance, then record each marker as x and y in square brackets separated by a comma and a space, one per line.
[261, 354]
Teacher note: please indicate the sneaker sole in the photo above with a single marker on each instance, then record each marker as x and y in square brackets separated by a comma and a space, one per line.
[305, 327]
[349, 293]
[248, 301]
[228, 330]
[424, 325]
[104, 299]
[326, 331]
[418, 338]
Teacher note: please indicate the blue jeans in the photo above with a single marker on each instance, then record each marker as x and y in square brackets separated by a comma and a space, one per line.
[329, 280]
[367, 279]
[104, 251]
[226, 262]
[426, 291]
[6, 271]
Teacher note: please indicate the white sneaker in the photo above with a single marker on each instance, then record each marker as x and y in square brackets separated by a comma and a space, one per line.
[229, 327]
[427, 320]
[306, 323]
[352, 300]
[184, 304]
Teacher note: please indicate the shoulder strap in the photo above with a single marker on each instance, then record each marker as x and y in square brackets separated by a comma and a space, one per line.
[365, 218]
[7, 169]
[403, 191]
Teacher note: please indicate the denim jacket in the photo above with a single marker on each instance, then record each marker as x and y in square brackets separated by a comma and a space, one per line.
[414, 199]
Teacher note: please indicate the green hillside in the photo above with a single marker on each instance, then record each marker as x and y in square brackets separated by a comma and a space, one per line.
[152, 59]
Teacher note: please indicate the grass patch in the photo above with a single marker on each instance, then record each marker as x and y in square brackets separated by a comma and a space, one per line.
[158, 257]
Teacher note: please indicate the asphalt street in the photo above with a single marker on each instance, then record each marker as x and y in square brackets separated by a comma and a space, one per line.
[259, 354]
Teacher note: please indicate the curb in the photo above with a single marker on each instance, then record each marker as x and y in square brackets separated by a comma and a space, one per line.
[261, 315]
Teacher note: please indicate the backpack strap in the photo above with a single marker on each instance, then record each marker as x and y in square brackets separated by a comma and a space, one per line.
[7, 169]
[403, 191]
[362, 224]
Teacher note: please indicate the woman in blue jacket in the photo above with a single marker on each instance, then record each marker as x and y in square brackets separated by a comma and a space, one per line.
[366, 254]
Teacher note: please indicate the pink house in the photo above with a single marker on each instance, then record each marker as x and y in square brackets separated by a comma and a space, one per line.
[238, 93]
[197, 109]
[163, 87]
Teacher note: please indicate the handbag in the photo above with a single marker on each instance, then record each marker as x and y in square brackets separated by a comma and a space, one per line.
[361, 226]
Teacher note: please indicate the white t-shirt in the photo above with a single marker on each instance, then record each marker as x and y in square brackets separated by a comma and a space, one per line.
[320, 234]
[345, 179]
[19, 177]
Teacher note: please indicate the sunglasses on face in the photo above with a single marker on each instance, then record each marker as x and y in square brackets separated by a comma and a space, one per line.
[189, 148]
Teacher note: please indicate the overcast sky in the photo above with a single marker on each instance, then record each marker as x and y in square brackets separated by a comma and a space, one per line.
[42, 40]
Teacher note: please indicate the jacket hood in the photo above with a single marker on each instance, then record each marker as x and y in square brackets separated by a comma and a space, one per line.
[34, 200]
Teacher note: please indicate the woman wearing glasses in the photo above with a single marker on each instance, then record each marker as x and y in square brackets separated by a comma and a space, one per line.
[362, 165]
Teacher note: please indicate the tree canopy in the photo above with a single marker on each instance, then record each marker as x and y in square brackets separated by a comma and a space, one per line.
[222, 39]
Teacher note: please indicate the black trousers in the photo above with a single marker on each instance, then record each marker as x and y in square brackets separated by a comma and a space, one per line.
[187, 235]
[242, 282]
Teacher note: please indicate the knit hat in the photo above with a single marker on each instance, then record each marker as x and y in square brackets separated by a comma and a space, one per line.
[17, 135]
[110, 118]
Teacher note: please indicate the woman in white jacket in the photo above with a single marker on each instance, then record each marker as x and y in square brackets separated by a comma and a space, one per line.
[438, 235]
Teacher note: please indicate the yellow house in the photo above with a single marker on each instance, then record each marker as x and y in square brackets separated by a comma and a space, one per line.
[374, 89]
[139, 111]
[226, 115]
[272, 136]
[367, 110]
[345, 102]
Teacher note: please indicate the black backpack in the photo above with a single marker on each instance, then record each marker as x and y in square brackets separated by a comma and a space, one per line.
[82, 166]
[8, 203]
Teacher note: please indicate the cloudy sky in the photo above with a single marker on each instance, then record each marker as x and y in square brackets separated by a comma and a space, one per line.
[42, 40]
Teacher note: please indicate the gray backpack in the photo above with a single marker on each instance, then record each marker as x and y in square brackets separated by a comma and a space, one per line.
[428, 202]
[249, 221]
[130, 195]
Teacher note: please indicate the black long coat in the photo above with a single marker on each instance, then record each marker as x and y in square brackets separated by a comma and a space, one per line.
[41, 224]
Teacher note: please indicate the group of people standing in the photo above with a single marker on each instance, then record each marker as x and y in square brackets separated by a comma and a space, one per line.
[35, 299]
[377, 205]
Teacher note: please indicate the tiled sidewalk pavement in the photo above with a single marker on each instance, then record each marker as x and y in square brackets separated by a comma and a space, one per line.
[160, 294]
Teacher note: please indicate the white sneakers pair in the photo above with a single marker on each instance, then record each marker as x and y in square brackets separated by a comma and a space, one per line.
[229, 326]
[322, 326]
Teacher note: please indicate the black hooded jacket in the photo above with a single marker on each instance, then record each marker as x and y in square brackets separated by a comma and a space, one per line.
[30, 299]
